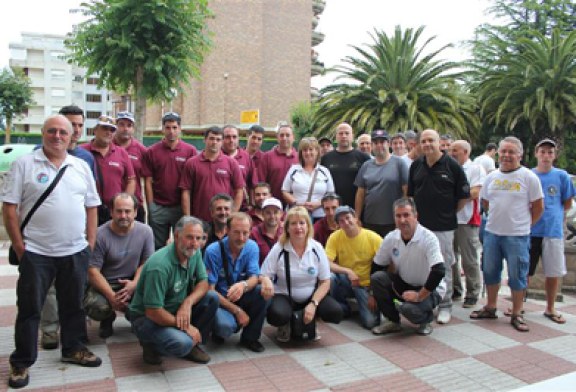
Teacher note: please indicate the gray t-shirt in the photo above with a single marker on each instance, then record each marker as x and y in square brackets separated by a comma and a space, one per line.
[383, 184]
[119, 256]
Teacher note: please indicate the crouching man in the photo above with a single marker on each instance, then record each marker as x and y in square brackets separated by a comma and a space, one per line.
[232, 265]
[172, 309]
[412, 283]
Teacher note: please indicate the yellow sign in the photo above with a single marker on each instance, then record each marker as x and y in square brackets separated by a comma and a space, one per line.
[250, 116]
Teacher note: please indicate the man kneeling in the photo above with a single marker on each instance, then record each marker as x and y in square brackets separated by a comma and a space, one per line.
[172, 309]
[412, 283]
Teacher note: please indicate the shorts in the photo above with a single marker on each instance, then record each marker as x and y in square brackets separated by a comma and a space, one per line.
[551, 250]
[515, 249]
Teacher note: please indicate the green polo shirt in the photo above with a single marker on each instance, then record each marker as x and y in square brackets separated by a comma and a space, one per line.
[164, 283]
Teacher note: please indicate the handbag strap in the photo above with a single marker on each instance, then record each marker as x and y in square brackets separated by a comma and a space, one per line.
[225, 263]
[309, 198]
[287, 273]
[43, 197]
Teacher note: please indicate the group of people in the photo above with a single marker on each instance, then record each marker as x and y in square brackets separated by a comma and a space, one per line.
[231, 237]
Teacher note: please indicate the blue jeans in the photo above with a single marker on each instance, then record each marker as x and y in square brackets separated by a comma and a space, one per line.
[341, 288]
[37, 272]
[170, 341]
[254, 305]
[516, 251]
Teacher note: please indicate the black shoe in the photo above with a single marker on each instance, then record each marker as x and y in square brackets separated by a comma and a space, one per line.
[150, 355]
[469, 303]
[217, 339]
[18, 378]
[197, 355]
[106, 329]
[253, 345]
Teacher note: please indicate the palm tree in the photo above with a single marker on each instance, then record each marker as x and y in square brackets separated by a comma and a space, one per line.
[531, 91]
[392, 85]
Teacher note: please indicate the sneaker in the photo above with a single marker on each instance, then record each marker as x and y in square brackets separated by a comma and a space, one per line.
[82, 357]
[386, 327]
[150, 355]
[424, 329]
[197, 355]
[49, 340]
[444, 316]
[106, 329]
[283, 333]
[253, 345]
[469, 303]
[18, 378]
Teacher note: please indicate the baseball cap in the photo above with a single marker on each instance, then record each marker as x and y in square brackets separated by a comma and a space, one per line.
[106, 121]
[125, 116]
[546, 141]
[343, 210]
[272, 201]
[379, 134]
[324, 139]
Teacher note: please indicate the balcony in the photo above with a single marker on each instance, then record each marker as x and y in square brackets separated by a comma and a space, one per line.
[318, 6]
[317, 68]
[317, 38]
[314, 22]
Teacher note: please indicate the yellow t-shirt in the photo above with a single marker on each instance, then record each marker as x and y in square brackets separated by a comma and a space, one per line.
[355, 253]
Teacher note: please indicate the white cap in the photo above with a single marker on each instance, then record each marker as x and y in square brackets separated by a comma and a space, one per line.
[272, 201]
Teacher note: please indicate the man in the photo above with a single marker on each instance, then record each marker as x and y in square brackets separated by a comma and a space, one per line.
[325, 226]
[122, 247]
[161, 169]
[513, 198]
[208, 174]
[445, 142]
[220, 210]
[350, 251]
[487, 159]
[260, 193]
[380, 182]
[275, 163]
[440, 189]
[413, 147]
[172, 309]
[466, 240]
[114, 170]
[253, 147]
[344, 163]
[233, 274]
[75, 115]
[412, 284]
[364, 143]
[230, 147]
[411, 140]
[547, 235]
[398, 144]
[54, 247]
[124, 137]
[325, 145]
[267, 233]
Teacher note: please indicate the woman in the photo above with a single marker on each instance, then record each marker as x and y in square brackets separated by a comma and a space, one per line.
[309, 276]
[306, 183]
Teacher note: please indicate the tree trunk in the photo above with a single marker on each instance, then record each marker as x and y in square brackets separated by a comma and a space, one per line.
[8, 130]
[140, 109]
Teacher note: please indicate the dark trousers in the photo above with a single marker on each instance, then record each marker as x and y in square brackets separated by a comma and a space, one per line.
[385, 292]
[280, 310]
[37, 273]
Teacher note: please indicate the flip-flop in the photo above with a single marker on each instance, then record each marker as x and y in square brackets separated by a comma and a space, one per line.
[519, 324]
[556, 317]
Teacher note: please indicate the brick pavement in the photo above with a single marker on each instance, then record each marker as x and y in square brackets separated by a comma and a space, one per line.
[463, 355]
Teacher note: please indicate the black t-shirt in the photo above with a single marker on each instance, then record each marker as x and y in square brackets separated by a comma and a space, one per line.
[436, 191]
[343, 167]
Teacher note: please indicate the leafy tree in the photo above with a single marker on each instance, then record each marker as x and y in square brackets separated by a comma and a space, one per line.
[302, 116]
[143, 47]
[392, 84]
[15, 96]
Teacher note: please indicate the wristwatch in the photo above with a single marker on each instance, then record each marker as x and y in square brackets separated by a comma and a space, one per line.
[314, 302]
[245, 285]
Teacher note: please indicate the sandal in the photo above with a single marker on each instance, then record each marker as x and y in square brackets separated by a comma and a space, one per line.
[484, 313]
[556, 317]
[508, 312]
[519, 324]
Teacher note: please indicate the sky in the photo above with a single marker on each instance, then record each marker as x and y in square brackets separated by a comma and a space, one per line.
[344, 22]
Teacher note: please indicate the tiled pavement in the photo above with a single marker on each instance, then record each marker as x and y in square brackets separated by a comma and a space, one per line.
[464, 355]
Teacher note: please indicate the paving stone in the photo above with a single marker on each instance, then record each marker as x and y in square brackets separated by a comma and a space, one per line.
[563, 347]
[193, 379]
[152, 382]
[472, 339]
[7, 297]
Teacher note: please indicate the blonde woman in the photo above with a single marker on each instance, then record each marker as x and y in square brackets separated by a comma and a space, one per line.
[307, 182]
[309, 272]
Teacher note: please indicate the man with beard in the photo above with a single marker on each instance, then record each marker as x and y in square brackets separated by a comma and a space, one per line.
[122, 247]
[327, 225]
[172, 309]
[220, 210]
[260, 193]
[266, 234]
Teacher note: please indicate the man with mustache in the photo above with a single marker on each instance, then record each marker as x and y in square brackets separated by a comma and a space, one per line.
[122, 247]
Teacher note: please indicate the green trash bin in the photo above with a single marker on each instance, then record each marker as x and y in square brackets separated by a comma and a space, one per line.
[10, 152]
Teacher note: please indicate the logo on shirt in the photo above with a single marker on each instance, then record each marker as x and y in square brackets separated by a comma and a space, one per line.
[42, 178]
[221, 172]
[311, 271]
[395, 252]
[133, 157]
[178, 286]
[507, 186]
[180, 159]
[552, 190]
[116, 164]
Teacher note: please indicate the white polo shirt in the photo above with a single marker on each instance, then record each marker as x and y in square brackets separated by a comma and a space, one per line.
[304, 272]
[476, 176]
[58, 227]
[414, 260]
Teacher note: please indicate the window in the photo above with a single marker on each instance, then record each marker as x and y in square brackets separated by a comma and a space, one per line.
[93, 98]
[92, 80]
[58, 93]
[57, 74]
[93, 115]
[57, 54]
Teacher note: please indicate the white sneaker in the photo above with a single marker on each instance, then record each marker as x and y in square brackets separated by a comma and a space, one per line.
[283, 333]
[444, 316]
[386, 327]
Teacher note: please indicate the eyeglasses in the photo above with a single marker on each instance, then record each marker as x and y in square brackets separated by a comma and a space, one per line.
[171, 115]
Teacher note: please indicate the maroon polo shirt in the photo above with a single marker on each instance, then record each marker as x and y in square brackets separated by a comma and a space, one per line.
[136, 151]
[256, 220]
[205, 178]
[245, 163]
[165, 166]
[115, 169]
[264, 242]
[322, 231]
[273, 168]
[256, 160]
